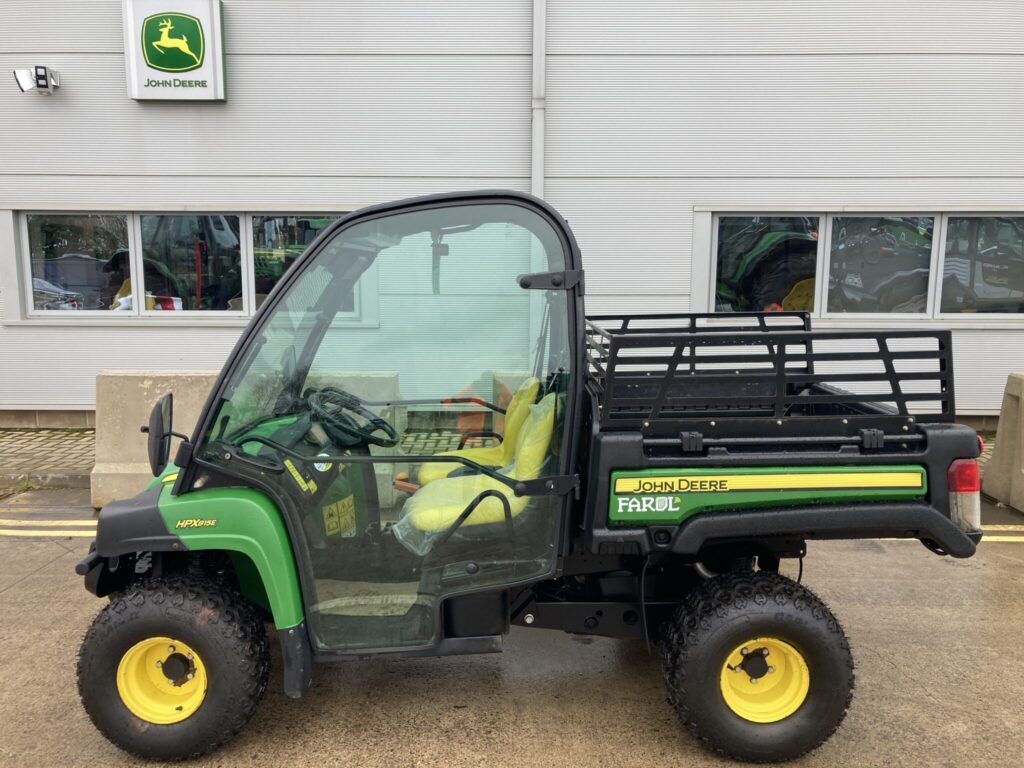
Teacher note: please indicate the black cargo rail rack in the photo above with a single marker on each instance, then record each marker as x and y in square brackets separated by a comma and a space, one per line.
[715, 373]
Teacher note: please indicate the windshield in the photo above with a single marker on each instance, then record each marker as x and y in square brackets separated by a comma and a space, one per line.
[439, 313]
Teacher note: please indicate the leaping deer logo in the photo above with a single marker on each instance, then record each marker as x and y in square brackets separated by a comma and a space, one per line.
[166, 41]
[173, 42]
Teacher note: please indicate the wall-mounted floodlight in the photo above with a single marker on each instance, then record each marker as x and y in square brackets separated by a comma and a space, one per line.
[42, 80]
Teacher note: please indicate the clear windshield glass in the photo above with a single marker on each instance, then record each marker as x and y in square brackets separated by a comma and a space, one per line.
[349, 414]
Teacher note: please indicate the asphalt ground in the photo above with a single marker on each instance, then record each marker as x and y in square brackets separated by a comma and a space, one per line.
[936, 640]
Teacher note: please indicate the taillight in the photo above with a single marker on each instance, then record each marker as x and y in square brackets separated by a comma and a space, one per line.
[964, 483]
[963, 476]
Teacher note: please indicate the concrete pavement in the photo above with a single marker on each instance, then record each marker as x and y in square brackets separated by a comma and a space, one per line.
[936, 642]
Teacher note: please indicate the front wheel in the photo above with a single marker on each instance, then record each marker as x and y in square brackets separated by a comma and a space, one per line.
[173, 668]
[757, 667]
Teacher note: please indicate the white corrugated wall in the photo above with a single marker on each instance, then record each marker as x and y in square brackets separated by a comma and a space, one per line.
[654, 109]
[331, 106]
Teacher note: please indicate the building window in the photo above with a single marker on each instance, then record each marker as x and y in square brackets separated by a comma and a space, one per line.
[880, 264]
[78, 261]
[192, 262]
[983, 268]
[277, 241]
[188, 264]
[766, 263]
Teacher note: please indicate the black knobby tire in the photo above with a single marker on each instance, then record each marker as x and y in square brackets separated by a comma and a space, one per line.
[226, 632]
[728, 611]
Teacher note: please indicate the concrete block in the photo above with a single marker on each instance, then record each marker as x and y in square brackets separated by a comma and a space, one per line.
[123, 402]
[1004, 475]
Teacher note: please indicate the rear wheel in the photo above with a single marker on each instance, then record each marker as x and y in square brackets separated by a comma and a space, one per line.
[172, 668]
[757, 667]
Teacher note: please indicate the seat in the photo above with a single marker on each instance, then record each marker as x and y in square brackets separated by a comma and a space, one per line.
[499, 455]
[434, 508]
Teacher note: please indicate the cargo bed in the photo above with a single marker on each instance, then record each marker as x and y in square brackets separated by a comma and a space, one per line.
[764, 375]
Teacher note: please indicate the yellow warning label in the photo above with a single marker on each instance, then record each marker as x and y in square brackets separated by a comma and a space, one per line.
[768, 482]
[306, 486]
[340, 517]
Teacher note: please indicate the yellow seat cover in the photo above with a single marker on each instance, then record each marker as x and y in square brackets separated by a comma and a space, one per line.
[492, 455]
[435, 507]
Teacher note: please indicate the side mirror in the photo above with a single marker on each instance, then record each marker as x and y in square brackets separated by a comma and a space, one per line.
[159, 431]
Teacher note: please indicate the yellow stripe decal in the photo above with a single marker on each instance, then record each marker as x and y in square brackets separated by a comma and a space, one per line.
[48, 523]
[169, 478]
[773, 482]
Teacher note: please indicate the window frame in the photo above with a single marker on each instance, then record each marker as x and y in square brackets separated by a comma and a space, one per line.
[822, 286]
[366, 312]
[972, 317]
[933, 314]
[713, 271]
[28, 290]
[138, 267]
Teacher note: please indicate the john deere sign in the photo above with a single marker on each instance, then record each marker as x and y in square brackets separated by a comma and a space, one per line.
[174, 49]
[165, 42]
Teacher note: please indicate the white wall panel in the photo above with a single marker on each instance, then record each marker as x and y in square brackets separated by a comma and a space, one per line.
[263, 28]
[246, 193]
[359, 116]
[982, 359]
[718, 116]
[56, 366]
[682, 27]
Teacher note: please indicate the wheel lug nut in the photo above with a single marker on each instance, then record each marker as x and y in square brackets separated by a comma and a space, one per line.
[753, 681]
[159, 663]
[744, 651]
[190, 657]
[771, 669]
[189, 676]
[170, 649]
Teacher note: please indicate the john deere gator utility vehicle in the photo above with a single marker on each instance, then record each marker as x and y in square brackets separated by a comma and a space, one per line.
[420, 440]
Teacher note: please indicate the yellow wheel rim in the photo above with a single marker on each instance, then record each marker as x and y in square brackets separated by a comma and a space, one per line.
[161, 680]
[765, 680]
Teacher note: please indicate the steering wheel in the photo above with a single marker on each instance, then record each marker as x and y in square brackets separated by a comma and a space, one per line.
[330, 406]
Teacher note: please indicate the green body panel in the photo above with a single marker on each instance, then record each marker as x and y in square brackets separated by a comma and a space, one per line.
[670, 496]
[241, 521]
[169, 475]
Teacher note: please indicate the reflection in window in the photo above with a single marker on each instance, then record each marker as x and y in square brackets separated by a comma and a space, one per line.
[880, 264]
[79, 261]
[277, 241]
[191, 262]
[984, 265]
[766, 263]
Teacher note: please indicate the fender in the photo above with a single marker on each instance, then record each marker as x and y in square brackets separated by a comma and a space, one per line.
[238, 521]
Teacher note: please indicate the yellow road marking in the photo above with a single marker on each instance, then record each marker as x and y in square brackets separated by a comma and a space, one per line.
[1002, 527]
[49, 523]
[989, 539]
[50, 533]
